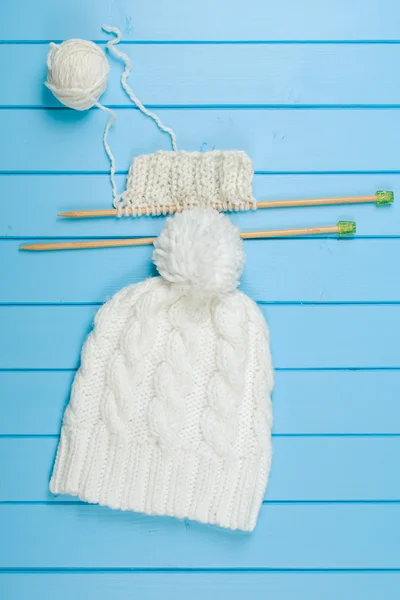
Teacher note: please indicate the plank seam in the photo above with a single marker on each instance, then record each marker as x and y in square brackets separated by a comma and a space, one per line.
[268, 173]
[233, 42]
[278, 369]
[216, 107]
[56, 502]
[259, 302]
[105, 570]
[275, 435]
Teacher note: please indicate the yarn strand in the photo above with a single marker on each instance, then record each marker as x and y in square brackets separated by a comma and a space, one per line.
[128, 68]
[110, 123]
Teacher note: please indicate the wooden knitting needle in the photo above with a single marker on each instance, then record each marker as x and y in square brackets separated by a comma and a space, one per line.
[342, 228]
[381, 197]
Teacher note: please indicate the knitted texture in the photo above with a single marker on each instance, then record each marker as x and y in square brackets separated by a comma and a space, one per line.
[157, 182]
[170, 411]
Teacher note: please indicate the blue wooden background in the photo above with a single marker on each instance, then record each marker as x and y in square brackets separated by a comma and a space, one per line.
[311, 91]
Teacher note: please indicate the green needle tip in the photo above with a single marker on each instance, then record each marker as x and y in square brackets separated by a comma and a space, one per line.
[384, 197]
[346, 227]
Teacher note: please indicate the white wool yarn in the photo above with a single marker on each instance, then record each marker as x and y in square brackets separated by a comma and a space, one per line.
[202, 250]
[77, 73]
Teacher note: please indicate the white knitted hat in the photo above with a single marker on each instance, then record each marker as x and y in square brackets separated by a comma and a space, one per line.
[170, 412]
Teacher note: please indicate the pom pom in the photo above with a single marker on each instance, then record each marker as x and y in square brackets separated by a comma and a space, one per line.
[77, 73]
[201, 250]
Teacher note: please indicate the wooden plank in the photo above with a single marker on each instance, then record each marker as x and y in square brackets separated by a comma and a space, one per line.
[305, 402]
[197, 586]
[297, 536]
[204, 20]
[307, 336]
[234, 74]
[277, 140]
[304, 469]
[38, 198]
[328, 270]
[33, 402]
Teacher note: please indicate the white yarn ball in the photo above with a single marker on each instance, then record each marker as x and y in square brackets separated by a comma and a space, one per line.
[77, 73]
[202, 250]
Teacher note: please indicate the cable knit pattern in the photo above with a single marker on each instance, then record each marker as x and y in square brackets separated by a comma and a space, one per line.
[156, 182]
[108, 323]
[219, 422]
[172, 382]
[125, 372]
[263, 382]
[83, 414]
[170, 410]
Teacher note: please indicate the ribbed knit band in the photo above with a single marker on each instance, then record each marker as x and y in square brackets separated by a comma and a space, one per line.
[111, 470]
[156, 182]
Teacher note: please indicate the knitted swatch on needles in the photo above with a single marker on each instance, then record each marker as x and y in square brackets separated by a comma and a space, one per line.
[161, 181]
